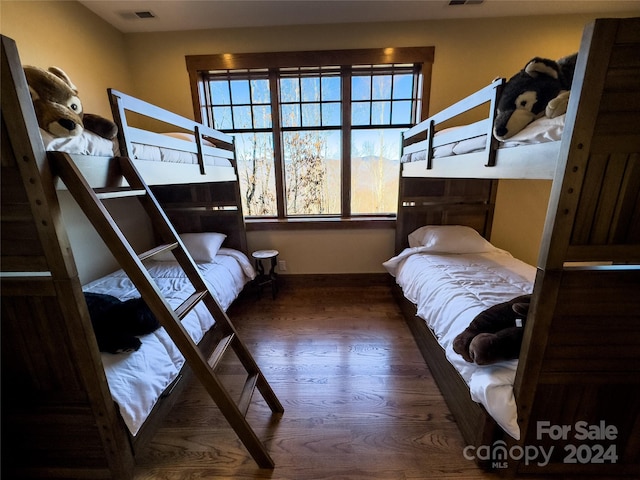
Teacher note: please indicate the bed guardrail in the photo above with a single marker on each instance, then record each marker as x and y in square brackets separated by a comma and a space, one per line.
[206, 141]
[423, 135]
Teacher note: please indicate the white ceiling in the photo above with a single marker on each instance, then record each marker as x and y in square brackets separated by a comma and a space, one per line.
[210, 14]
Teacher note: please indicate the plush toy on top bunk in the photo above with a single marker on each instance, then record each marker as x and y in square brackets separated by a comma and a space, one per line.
[58, 108]
[494, 334]
[541, 88]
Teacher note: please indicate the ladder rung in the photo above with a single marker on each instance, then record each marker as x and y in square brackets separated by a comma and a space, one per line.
[107, 193]
[247, 393]
[220, 350]
[189, 303]
[157, 250]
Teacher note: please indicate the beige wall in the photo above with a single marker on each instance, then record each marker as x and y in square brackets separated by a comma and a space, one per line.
[520, 213]
[468, 55]
[70, 36]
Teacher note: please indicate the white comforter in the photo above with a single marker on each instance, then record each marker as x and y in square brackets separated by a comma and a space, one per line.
[541, 130]
[449, 290]
[136, 380]
[88, 143]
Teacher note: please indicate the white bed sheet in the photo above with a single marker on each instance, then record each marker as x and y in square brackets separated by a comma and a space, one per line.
[541, 130]
[137, 380]
[158, 154]
[88, 143]
[449, 290]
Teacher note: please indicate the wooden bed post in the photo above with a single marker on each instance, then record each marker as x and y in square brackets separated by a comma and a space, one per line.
[581, 340]
[58, 418]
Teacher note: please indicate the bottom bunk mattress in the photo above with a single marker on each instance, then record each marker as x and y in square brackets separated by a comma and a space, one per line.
[449, 290]
[136, 380]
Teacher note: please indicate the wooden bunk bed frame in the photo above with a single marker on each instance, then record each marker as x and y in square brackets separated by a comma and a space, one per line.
[581, 350]
[198, 197]
[59, 420]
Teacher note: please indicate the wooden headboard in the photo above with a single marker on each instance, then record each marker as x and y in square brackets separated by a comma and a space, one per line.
[444, 201]
[205, 207]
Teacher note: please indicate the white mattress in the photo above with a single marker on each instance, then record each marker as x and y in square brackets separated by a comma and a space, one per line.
[158, 154]
[449, 290]
[136, 380]
[541, 130]
[88, 143]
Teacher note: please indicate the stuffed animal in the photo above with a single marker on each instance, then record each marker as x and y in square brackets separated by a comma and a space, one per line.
[58, 108]
[117, 324]
[540, 88]
[495, 334]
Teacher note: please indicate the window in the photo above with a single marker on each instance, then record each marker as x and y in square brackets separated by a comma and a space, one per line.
[317, 134]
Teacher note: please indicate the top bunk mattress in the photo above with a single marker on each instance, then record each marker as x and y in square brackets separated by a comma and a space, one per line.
[542, 130]
[88, 143]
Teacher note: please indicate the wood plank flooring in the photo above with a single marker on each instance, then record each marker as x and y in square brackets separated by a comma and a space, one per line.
[359, 400]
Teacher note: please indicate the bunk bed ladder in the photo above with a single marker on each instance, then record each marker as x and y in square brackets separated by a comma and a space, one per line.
[90, 200]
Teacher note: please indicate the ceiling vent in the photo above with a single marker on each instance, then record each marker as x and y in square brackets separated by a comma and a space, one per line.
[465, 2]
[145, 14]
[128, 15]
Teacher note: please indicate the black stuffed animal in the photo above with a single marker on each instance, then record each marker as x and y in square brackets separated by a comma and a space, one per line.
[118, 324]
[495, 334]
[540, 88]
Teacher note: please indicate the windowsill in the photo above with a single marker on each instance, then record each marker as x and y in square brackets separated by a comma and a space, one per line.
[332, 223]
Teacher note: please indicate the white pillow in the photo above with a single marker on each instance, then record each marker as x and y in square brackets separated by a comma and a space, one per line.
[449, 239]
[203, 247]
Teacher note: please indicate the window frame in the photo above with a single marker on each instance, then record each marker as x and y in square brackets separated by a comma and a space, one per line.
[418, 56]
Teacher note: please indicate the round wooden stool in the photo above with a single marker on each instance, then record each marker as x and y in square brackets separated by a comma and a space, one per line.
[264, 278]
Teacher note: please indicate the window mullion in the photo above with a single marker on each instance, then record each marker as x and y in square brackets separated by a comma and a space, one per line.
[231, 104]
[206, 92]
[391, 102]
[299, 104]
[251, 104]
[424, 88]
[277, 142]
[345, 75]
[371, 96]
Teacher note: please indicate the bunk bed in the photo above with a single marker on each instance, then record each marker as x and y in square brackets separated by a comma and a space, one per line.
[195, 180]
[60, 416]
[578, 366]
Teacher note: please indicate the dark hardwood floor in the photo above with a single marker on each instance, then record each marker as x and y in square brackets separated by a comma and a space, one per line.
[359, 400]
